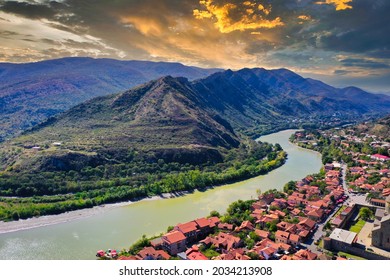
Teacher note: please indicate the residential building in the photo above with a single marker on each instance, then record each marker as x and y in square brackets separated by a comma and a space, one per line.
[174, 242]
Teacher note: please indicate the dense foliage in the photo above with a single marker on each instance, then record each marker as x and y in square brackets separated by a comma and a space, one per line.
[57, 192]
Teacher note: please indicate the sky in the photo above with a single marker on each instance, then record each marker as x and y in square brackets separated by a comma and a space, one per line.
[341, 42]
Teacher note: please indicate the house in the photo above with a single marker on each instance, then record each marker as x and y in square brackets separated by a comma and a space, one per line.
[266, 198]
[226, 226]
[294, 239]
[285, 226]
[279, 213]
[223, 241]
[316, 215]
[267, 252]
[304, 255]
[295, 211]
[281, 203]
[303, 234]
[214, 221]
[204, 227]
[262, 233]
[269, 218]
[190, 231]
[194, 254]
[281, 236]
[380, 157]
[149, 253]
[261, 204]
[245, 225]
[307, 224]
[156, 243]
[328, 166]
[236, 254]
[174, 242]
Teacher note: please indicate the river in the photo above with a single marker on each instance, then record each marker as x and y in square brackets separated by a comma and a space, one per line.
[120, 227]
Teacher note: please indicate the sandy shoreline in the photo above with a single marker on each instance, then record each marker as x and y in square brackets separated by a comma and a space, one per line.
[7, 227]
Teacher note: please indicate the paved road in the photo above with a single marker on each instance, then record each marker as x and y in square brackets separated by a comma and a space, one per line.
[353, 198]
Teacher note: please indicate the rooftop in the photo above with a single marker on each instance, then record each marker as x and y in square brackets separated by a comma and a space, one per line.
[343, 235]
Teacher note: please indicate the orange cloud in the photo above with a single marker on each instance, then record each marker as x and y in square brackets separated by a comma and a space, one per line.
[304, 17]
[230, 17]
[147, 26]
[340, 4]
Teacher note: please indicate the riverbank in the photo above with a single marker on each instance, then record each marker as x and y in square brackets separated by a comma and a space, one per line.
[42, 221]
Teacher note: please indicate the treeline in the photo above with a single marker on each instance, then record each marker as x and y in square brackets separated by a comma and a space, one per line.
[62, 195]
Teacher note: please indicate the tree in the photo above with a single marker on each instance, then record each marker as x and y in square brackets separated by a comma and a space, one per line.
[170, 228]
[214, 214]
[365, 213]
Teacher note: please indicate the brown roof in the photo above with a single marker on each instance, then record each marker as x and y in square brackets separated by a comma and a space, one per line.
[174, 237]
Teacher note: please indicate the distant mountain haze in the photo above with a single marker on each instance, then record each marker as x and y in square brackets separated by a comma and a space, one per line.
[32, 92]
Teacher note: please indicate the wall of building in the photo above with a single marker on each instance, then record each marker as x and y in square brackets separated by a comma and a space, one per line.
[381, 237]
[354, 250]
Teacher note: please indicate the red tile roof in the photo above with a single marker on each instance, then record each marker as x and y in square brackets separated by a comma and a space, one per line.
[187, 227]
[214, 221]
[282, 234]
[294, 238]
[261, 233]
[155, 254]
[304, 255]
[202, 222]
[174, 237]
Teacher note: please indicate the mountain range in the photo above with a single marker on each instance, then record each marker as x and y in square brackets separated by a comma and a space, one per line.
[32, 92]
[184, 121]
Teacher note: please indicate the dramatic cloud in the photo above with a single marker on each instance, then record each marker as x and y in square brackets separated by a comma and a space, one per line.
[339, 4]
[335, 39]
[231, 17]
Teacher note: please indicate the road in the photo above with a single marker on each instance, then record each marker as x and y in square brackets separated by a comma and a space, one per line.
[352, 198]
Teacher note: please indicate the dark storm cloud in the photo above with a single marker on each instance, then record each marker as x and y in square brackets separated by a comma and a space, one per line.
[364, 63]
[365, 28]
[341, 72]
[30, 10]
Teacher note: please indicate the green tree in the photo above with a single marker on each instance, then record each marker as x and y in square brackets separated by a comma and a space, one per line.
[214, 214]
[365, 213]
